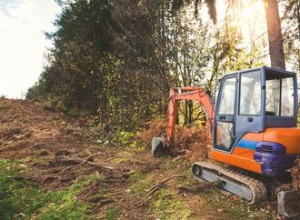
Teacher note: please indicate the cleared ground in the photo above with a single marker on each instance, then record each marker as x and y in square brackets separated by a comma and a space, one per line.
[56, 167]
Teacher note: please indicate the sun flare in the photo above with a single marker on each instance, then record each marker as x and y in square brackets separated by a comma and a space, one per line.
[249, 17]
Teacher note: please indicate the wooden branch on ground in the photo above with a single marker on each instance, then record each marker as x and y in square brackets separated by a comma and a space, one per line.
[80, 162]
[27, 178]
[100, 165]
[160, 184]
[100, 204]
[103, 201]
[180, 157]
[90, 157]
[50, 177]
[154, 188]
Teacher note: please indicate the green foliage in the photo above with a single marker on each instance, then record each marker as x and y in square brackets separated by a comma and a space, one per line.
[87, 74]
[118, 59]
[37, 91]
[291, 33]
[124, 138]
[20, 198]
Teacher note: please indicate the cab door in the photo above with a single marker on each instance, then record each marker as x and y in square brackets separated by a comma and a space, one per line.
[250, 108]
[224, 128]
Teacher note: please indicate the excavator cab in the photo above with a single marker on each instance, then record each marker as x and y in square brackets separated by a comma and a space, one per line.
[251, 101]
[253, 110]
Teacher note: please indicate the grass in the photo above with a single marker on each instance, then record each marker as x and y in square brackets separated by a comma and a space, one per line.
[63, 204]
[111, 214]
[140, 182]
[15, 195]
[20, 199]
[233, 209]
[167, 205]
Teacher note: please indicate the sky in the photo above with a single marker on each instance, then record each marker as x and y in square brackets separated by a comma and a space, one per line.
[23, 44]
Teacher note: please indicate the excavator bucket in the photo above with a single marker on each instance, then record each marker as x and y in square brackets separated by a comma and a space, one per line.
[159, 147]
[288, 203]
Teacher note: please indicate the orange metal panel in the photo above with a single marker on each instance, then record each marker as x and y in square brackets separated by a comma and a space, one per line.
[241, 161]
[289, 137]
[253, 136]
[242, 152]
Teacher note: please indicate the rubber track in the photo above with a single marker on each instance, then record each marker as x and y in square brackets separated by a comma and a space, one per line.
[258, 189]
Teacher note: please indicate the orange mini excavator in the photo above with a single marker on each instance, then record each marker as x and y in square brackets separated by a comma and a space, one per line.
[254, 128]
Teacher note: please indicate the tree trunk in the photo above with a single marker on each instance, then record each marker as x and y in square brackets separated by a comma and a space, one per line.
[274, 34]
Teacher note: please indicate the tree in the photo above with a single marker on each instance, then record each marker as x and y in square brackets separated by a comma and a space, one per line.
[117, 59]
[276, 50]
[106, 62]
[291, 26]
[274, 34]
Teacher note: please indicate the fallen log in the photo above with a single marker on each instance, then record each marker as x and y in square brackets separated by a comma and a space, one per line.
[79, 162]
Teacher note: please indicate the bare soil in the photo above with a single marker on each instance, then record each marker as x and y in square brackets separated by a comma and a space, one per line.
[57, 150]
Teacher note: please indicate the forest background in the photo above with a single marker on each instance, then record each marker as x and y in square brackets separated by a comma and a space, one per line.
[117, 59]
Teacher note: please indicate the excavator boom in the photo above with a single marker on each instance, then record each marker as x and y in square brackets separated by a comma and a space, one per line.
[160, 145]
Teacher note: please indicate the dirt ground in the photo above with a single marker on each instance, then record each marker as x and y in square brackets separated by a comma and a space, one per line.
[56, 151]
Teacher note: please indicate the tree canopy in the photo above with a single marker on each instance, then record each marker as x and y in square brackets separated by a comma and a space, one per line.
[117, 59]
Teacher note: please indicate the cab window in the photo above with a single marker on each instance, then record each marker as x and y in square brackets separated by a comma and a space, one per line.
[279, 95]
[250, 93]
